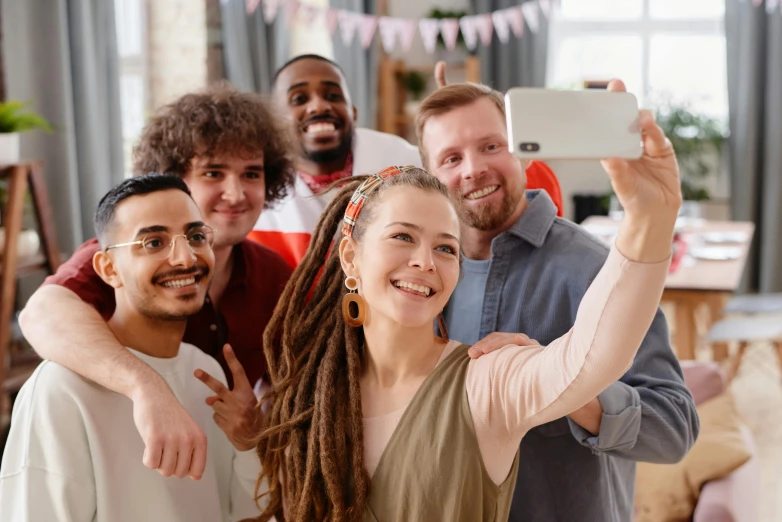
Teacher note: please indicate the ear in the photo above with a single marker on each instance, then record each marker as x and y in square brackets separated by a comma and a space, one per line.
[355, 114]
[104, 266]
[347, 256]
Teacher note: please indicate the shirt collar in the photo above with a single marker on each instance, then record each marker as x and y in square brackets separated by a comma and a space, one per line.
[536, 220]
[240, 262]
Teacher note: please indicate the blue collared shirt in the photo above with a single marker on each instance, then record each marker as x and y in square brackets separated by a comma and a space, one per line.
[540, 270]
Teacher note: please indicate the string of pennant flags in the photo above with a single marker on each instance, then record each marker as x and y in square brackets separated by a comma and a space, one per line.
[479, 28]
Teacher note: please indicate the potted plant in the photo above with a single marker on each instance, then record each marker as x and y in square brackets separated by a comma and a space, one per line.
[13, 121]
[415, 84]
[459, 53]
[698, 141]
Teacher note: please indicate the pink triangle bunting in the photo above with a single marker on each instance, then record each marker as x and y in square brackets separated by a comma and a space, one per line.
[270, 8]
[367, 29]
[251, 6]
[406, 30]
[291, 8]
[516, 21]
[546, 8]
[430, 28]
[486, 28]
[348, 23]
[449, 28]
[756, 3]
[469, 27]
[501, 24]
[530, 10]
[332, 18]
[387, 27]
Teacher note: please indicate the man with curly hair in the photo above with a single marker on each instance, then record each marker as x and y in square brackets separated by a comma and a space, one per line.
[234, 156]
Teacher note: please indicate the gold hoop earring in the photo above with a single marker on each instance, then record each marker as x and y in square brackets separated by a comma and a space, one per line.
[352, 298]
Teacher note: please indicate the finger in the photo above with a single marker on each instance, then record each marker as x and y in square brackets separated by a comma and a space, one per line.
[237, 370]
[439, 74]
[184, 456]
[198, 461]
[152, 454]
[617, 85]
[226, 410]
[212, 399]
[168, 462]
[655, 142]
[212, 383]
[524, 340]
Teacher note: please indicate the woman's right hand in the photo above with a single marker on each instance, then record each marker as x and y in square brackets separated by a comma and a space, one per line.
[649, 189]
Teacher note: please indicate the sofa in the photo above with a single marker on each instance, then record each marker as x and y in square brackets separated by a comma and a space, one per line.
[736, 497]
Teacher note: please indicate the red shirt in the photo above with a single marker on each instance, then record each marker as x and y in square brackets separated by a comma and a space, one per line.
[540, 176]
[257, 280]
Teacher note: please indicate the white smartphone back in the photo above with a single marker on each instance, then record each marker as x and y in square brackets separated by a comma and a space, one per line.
[589, 124]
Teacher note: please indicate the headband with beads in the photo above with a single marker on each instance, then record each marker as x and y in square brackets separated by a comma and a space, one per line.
[363, 192]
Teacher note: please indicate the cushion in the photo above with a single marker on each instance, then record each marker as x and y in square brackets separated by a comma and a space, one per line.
[669, 492]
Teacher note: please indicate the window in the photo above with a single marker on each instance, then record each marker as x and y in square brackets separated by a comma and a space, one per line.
[668, 50]
[130, 21]
[311, 38]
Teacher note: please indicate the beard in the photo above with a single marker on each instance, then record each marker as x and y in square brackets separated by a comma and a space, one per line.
[339, 152]
[490, 217]
[189, 306]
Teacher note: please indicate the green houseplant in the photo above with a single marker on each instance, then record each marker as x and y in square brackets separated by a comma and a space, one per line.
[415, 83]
[698, 140]
[14, 119]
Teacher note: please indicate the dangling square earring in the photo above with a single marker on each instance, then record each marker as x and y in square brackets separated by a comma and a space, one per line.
[352, 298]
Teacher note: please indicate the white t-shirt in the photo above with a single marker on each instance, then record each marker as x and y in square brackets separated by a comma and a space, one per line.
[74, 453]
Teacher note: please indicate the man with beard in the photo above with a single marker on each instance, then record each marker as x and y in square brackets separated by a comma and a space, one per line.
[314, 93]
[73, 449]
[232, 153]
[526, 270]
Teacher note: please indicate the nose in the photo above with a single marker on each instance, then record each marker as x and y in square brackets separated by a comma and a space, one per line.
[317, 105]
[423, 259]
[181, 254]
[233, 191]
[475, 165]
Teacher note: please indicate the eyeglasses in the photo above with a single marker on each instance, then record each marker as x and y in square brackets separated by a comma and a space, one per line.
[161, 244]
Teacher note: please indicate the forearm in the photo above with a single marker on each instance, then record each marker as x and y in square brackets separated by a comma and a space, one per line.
[64, 329]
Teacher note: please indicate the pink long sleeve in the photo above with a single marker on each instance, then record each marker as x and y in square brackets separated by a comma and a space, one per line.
[517, 388]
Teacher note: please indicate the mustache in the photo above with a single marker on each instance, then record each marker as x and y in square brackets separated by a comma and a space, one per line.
[197, 270]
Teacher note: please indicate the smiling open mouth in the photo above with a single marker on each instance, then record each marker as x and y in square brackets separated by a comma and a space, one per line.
[320, 127]
[482, 193]
[423, 291]
[181, 280]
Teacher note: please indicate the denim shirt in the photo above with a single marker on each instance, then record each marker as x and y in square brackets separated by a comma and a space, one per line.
[540, 270]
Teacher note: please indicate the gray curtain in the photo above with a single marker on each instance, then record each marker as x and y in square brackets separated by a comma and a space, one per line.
[754, 53]
[360, 65]
[252, 50]
[520, 62]
[61, 55]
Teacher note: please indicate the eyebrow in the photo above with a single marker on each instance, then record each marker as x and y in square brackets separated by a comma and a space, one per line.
[218, 166]
[328, 83]
[161, 228]
[420, 229]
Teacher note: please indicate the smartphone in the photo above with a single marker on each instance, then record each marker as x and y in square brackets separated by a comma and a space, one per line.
[589, 124]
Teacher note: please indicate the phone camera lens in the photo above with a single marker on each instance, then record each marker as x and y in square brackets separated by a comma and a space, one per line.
[529, 147]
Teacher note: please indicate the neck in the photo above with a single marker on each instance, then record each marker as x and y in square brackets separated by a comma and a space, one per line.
[150, 336]
[394, 353]
[321, 168]
[476, 244]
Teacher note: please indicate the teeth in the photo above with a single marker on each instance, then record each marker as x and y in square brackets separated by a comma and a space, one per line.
[482, 193]
[319, 127]
[412, 286]
[179, 283]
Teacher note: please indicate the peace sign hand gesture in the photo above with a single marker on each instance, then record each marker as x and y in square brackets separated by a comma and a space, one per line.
[236, 411]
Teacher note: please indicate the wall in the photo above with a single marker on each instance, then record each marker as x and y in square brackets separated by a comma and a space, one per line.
[177, 48]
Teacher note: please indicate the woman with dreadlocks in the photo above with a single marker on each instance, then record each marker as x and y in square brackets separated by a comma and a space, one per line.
[372, 417]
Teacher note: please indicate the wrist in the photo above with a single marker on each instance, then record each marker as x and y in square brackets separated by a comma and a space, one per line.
[646, 239]
[146, 385]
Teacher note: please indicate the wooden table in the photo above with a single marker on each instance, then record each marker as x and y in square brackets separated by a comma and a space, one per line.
[695, 282]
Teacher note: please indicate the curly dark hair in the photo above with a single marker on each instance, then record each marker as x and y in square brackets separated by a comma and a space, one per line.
[219, 120]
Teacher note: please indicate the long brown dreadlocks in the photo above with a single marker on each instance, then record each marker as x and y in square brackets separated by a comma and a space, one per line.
[311, 445]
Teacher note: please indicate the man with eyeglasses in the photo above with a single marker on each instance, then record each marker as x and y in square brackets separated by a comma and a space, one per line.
[72, 450]
[234, 156]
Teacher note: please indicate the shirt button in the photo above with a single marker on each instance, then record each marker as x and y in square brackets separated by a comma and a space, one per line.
[213, 327]
[207, 300]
